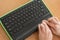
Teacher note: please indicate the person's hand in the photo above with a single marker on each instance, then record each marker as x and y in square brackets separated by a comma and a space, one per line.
[54, 24]
[44, 32]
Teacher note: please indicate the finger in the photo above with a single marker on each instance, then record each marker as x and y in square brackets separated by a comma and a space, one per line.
[51, 25]
[56, 19]
[52, 20]
[53, 31]
[39, 27]
[42, 28]
[47, 29]
[46, 26]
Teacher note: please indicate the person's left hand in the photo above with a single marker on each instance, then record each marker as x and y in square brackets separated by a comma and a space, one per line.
[44, 32]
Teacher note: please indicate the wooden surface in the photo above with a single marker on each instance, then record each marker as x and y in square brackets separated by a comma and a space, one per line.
[7, 5]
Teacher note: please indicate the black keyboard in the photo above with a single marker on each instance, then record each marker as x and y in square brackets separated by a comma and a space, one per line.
[23, 21]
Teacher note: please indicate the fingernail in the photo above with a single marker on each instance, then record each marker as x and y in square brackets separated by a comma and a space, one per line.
[38, 25]
[44, 21]
[41, 24]
[50, 18]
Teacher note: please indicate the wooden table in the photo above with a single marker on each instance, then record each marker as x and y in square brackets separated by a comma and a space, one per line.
[7, 5]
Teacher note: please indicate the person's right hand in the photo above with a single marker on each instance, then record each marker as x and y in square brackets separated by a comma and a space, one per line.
[54, 24]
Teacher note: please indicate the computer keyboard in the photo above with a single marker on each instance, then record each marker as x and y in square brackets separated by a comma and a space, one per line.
[23, 21]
